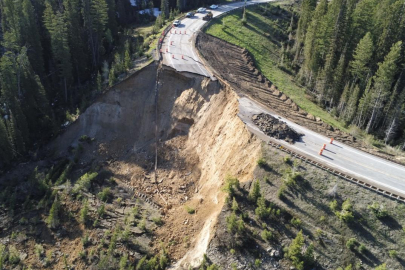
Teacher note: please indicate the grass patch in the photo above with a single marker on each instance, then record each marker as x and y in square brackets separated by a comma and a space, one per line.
[261, 35]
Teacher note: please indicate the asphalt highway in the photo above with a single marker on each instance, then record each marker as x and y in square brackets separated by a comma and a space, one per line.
[178, 45]
[376, 171]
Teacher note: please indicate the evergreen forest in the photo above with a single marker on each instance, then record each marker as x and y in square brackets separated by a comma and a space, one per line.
[349, 55]
[55, 57]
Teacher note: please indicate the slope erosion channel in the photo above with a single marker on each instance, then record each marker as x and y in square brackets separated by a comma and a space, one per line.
[200, 140]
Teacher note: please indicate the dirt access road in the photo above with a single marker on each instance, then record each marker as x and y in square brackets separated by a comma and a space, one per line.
[178, 45]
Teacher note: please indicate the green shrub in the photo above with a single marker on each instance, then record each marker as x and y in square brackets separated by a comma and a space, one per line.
[254, 193]
[333, 205]
[83, 254]
[296, 222]
[267, 235]
[39, 250]
[85, 240]
[393, 253]
[158, 221]
[83, 183]
[101, 211]
[280, 192]
[84, 212]
[261, 162]
[53, 218]
[378, 210]
[381, 267]
[231, 185]
[362, 248]
[3, 255]
[13, 255]
[235, 225]
[294, 251]
[235, 206]
[190, 210]
[262, 211]
[287, 159]
[258, 262]
[105, 194]
[351, 243]
[142, 225]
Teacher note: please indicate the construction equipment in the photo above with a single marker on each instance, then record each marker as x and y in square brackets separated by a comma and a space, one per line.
[208, 16]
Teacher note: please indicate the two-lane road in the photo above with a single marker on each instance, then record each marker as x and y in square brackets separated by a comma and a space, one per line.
[368, 168]
[178, 45]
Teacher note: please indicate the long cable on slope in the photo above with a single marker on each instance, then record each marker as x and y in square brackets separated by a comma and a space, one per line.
[156, 128]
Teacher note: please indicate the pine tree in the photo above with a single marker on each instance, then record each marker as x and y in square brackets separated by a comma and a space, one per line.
[337, 17]
[254, 193]
[311, 54]
[99, 82]
[95, 18]
[164, 8]
[57, 29]
[111, 77]
[351, 107]
[179, 5]
[360, 65]
[5, 145]
[294, 251]
[53, 218]
[127, 56]
[105, 71]
[383, 80]
[32, 37]
[307, 8]
[75, 37]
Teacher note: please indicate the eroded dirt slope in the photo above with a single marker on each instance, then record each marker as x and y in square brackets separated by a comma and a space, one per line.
[200, 141]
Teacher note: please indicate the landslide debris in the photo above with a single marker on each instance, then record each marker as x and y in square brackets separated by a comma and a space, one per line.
[275, 128]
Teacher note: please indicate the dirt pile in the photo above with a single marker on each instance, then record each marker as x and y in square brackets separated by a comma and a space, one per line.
[275, 128]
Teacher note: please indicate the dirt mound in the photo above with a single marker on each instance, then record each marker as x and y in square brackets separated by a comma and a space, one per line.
[273, 127]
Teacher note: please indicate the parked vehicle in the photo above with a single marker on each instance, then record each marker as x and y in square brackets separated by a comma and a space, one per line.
[201, 10]
[190, 14]
[213, 7]
[176, 23]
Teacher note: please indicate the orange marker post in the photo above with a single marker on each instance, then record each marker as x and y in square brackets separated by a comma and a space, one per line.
[167, 50]
[172, 55]
[324, 146]
[320, 152]
[182, 57]
[331, 140]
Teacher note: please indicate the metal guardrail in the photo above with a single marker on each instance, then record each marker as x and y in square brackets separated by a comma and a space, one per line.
[337, 173]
